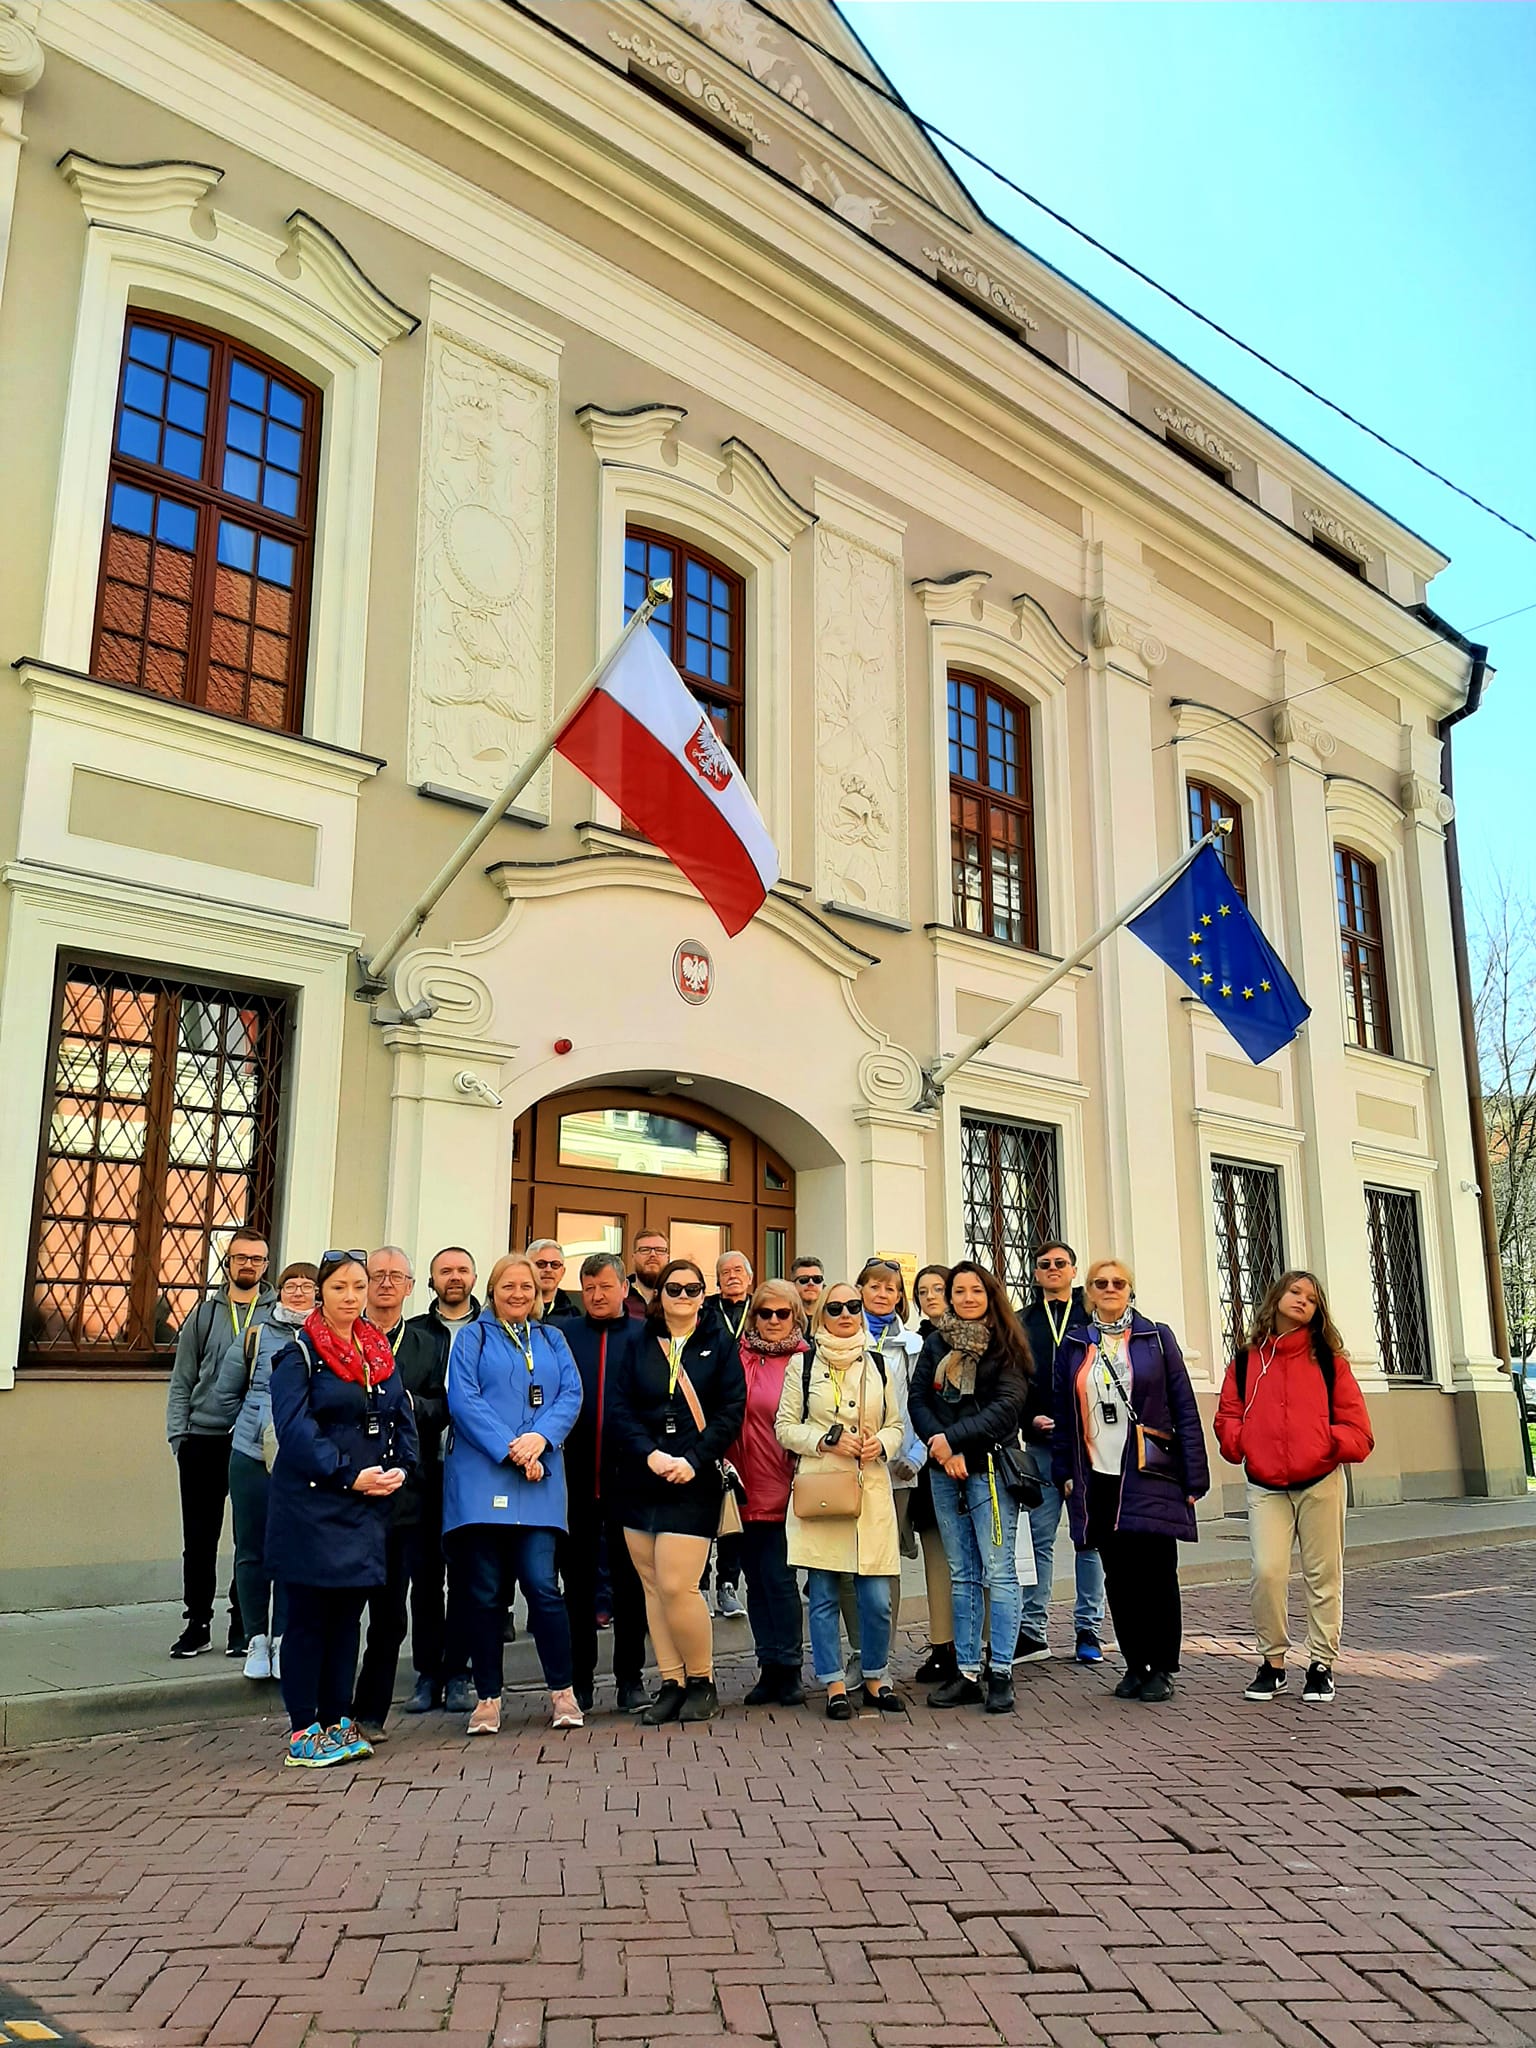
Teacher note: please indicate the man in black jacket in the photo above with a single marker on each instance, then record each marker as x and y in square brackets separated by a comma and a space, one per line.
[549, 1268]
[414, 1549]
[1056, 1307]
[600, 1339]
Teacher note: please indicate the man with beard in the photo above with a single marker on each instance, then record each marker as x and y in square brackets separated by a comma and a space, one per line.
[651, 1252]
[451, 1276]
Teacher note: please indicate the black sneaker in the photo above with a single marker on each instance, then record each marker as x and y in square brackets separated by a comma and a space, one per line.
[1317, 1689]
[424, 1697]
[1156, 1687]
[458, 1696]
[1267, 1683]
[1130, 1686]
[632, 1697]
[666, 1706]
[958, 1692]
[237, 1646]
[1031, 1650]
[999, 1692]
[194, 1639]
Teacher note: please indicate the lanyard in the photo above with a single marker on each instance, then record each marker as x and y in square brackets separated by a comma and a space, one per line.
[1058, 1330]
[740, 1323]
[674, 1363]
[241, 1328]
[398, 1338]
[525, 1346]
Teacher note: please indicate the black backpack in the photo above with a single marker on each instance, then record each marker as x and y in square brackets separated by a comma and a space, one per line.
[1320, 1352]
[809, 1361]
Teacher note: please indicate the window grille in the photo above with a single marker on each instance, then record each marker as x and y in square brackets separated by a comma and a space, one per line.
[1249, 1253]
[1397, 1282]
[1011, 1196]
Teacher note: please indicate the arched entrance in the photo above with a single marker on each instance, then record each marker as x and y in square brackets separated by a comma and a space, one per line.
[594, 1167]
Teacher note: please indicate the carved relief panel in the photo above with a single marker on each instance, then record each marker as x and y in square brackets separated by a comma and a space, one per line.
[482, 667]
[861, 741]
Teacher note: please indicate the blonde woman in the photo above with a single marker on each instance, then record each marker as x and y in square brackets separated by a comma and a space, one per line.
[839, 1415]
[1128, 1452]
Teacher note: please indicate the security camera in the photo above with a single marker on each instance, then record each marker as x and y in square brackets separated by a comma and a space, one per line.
[471, 1084]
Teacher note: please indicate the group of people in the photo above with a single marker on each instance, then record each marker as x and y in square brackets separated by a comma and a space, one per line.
[597, 1452]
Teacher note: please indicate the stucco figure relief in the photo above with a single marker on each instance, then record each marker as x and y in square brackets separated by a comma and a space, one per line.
[689, 79]
[860, 209]
[861, 798]
[484, 640]
[739, 32]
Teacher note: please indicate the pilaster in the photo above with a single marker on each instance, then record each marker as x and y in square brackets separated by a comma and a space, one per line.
[450, 1149]
[21, 66]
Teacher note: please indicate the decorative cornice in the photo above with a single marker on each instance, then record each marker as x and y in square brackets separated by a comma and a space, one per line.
[154, 196]
[752, 484]
[1224, 734]
[1109, 627]
[21, 54]
[954, 600]
[1333, 529]
[1292, 729]
[637, 434]
[1425, 801]
[356, 300]
[982, 283]
[1189, 429]
[687, 78]
[1036, 629]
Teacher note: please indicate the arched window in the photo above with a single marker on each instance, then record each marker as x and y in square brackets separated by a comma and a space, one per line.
[701, 628]
[204, 588]
[991, 811]
[1366, 1011]
[1208, 807]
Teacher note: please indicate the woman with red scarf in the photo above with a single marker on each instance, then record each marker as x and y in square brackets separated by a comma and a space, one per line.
[346, 1440]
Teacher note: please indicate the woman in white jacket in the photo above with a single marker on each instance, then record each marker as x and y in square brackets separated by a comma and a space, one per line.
[840, 1416]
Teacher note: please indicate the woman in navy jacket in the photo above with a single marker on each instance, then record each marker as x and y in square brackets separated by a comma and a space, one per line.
[1128, 1452]
[346, 1439]
[514, 1395]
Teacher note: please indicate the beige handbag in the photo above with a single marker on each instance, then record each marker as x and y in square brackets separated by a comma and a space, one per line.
[836, 1492]
[735, 1492]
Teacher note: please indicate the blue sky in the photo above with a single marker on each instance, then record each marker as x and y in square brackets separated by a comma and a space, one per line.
[1351, 188]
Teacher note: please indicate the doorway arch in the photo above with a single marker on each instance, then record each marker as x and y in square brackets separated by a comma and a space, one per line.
[595, 1166]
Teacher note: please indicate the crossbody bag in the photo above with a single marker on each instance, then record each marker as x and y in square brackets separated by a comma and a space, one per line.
[734, 1491]
[1157, 1450]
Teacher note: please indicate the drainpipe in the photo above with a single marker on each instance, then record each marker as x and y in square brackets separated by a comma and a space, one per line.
[1492, 1265]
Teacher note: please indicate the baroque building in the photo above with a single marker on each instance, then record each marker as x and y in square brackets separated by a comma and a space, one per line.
[361, 363]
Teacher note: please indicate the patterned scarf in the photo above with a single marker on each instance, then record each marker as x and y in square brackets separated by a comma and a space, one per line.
[347, 1361]
[967, 1341]
[772, 1347]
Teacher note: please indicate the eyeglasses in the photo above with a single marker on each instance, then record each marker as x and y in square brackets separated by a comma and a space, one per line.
[691, 1288]
[334, 1258]
[391, 1279]
[1052, 1265]
[549, 1265]
[851, 1307]
[810, 1279]
[774, 1315]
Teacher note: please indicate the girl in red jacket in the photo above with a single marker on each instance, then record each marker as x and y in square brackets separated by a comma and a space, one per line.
[1292, 1415]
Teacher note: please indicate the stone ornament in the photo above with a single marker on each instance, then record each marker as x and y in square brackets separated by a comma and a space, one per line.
[1343, 537]
[1292, 729]
[861, 780]
[21, 54]
[743, 35]
[861, 210]
[689, 79]
[1421, 797]
[1110, 628]
[1198, 436]
[693, 971]
[982, 283]
[483, 649]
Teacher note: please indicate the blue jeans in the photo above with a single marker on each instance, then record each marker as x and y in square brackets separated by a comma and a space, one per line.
[1044, 1522]
[826, 1626]
[491, 1560]
[963, 1510]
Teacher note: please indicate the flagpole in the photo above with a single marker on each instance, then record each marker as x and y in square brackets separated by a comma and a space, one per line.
[372, 970]
[935, 1075]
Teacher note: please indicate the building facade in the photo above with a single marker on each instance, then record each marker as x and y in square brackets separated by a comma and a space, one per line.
[360, 364]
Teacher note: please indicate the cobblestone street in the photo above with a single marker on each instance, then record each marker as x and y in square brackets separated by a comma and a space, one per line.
[1087, 1872]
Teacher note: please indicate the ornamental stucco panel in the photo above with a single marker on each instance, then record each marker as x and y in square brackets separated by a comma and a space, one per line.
[861, 741]
[482, 667]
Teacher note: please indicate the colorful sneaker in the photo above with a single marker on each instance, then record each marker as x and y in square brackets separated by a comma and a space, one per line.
[350, 1739]
[1089, 1649]
[1317, 1687]
[312, 1748]
[258, 1657]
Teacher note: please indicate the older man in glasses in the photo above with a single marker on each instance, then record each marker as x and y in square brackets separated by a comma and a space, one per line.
[548, 1259]
[1056, 1307]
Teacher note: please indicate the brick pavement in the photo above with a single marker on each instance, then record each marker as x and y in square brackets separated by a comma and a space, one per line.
[1086, 1873]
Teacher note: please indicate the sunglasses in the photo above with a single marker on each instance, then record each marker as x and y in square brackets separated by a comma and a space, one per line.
[810, 1279]
[1052, 1265]
[882, 1266]
[774, 1315]
[1110, 1286]
[549, 1265]
[677, 1288]
[852, 1307]
[334, 1258]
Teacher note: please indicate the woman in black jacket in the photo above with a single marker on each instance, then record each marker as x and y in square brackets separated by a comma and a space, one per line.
[930, 1294]
[967, 1397]
[346, 1442]
[675, 1407]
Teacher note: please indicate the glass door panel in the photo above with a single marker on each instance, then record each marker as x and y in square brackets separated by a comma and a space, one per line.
[581, 1232]
[701, 1242]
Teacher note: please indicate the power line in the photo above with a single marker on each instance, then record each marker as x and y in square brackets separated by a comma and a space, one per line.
[932, 129]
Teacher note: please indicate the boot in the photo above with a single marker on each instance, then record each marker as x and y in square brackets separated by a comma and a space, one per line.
[666, 1706]
[791, 1691]
[701, 1702]
[958, 1691]
[999, 1692]
[769, 1689]
[938, 1667]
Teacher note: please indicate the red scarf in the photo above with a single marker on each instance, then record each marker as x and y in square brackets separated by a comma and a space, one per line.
[369, 1347]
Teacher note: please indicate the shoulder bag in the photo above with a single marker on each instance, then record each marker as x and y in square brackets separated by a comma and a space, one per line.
[1157, 1450]
[734, 1492]
[835, 1493]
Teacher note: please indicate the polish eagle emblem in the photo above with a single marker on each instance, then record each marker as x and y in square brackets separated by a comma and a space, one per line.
[709, 759]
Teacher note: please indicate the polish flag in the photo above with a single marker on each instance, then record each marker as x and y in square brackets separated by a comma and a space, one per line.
[646, 742]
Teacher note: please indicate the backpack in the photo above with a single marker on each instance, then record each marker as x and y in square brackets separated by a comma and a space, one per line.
[809, 1361]
[1320, 1352]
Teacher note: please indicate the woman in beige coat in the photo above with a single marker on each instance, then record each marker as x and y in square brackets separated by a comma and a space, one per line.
[840, 1416]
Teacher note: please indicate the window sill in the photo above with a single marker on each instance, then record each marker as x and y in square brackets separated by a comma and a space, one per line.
[951, 937]
[1369, 1057]
[34, 1375]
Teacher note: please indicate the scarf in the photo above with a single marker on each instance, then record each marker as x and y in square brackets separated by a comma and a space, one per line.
[292, 1318]
[343, 1358]
[837, 1354]
[1115, 1329]
[878, 1325]
[773, 1347]
[967, 1341]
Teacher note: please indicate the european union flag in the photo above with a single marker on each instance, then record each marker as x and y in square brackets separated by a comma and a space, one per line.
[1202, 928]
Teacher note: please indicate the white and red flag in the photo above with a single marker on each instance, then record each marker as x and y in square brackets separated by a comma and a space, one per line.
[649, 746]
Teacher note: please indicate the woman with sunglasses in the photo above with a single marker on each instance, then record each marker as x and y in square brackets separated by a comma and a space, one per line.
[346, 1440]
[1128, 1452]
[968, 1395]
[675, 1407]
[930, 1291]
[840, 1414]
[772, 1346]
[514, 1395]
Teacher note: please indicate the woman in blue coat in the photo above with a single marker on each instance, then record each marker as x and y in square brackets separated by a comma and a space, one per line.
[1128, 1452]
[514, 1396]
[346, 1440]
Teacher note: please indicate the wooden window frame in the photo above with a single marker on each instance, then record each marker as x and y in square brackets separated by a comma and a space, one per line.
[213, 503]
[961, 789]
[1231, 850]
[734, 696]
[1363, 956]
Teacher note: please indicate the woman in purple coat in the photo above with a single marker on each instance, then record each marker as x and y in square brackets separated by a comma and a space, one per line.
[1129, 1454]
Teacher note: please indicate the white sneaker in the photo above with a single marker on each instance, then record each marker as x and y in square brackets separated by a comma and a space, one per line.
[258, 1657]
[277, 1662]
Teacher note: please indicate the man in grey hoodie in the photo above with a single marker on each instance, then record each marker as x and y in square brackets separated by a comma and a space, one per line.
[207, 1387]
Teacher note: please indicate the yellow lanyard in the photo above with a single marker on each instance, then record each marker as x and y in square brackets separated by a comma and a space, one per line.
[395, 1341]
[997, 1513]
[241, 1328]
[1058, 1330]
[740, 1323]
[674, 1363]
[526, 1348]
